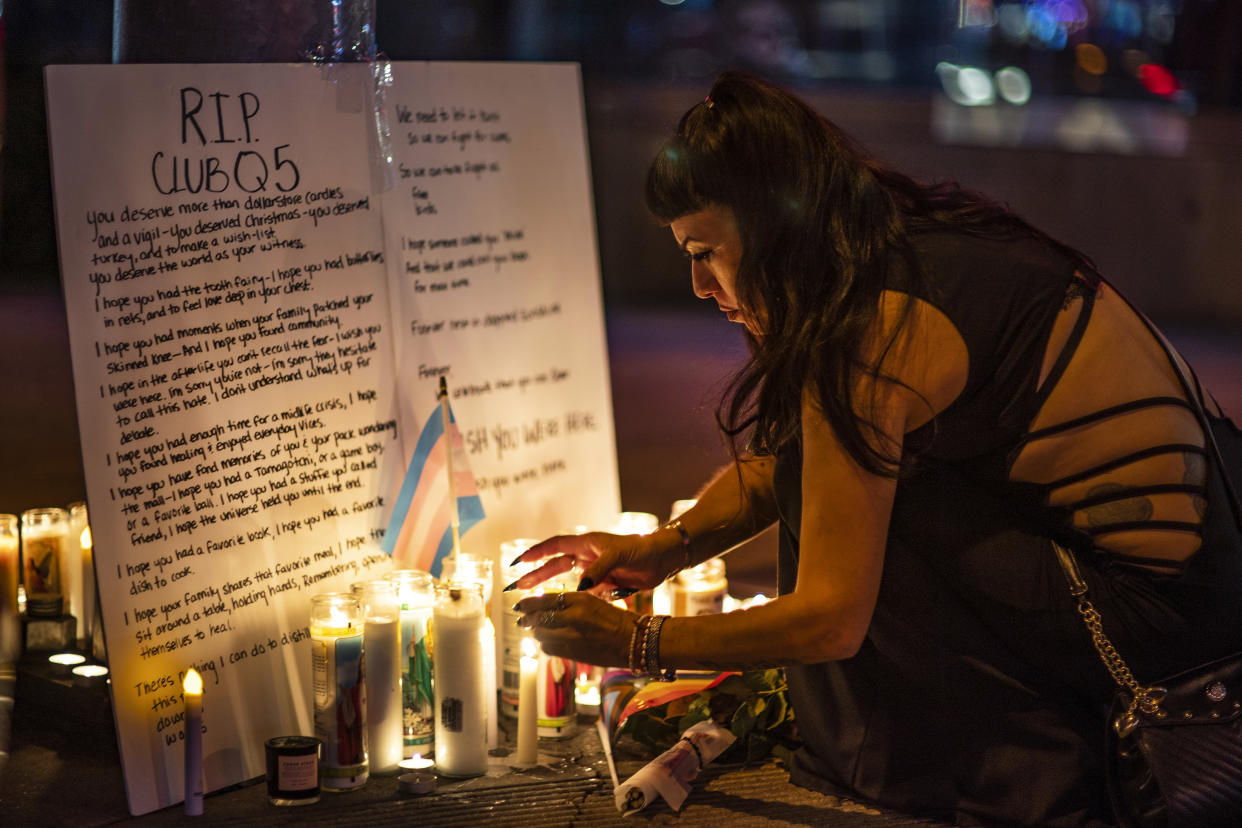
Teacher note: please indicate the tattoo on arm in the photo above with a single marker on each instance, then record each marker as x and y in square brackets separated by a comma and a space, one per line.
[1196, 475]
[1122, 510]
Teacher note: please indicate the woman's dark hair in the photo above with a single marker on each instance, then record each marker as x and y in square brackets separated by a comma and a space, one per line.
[820, 222]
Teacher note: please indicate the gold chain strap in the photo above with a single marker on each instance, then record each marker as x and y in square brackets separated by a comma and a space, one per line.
[1142, 698]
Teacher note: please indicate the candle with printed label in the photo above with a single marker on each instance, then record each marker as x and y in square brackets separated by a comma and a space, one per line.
[461, 711]
[338, 680]
[415, 597]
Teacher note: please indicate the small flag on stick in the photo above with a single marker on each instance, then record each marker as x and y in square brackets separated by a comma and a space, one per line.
[438, 499]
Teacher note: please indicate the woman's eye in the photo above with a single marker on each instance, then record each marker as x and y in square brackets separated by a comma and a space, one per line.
[701, 256]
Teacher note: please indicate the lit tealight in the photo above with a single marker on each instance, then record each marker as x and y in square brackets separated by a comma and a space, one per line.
[67, 659]
[90, 671]
[416, 762]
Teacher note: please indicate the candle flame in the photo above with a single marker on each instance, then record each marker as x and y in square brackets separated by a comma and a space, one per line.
[529, 648]
[193, 683]
[85, 538]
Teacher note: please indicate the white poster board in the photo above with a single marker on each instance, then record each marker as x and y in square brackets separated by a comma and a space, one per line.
[253, 356]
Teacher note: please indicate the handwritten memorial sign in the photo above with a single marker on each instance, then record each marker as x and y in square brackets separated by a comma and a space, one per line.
[256, 335]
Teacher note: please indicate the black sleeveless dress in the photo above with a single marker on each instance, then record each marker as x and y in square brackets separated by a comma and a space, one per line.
[977, 697]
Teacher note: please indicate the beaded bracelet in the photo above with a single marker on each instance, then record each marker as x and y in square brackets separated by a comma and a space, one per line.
[651, 651]
[638, 645]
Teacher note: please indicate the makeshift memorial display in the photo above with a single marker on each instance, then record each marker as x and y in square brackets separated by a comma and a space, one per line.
[338, 676]
[255, 324]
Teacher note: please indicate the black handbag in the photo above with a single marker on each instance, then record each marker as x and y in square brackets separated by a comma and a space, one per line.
[1174, 748]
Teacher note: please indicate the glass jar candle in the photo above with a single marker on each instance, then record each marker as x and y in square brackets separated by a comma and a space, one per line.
[461, 711]
[414, 599]
[44, 535]
[381, 639]
[292, 770]
[336, 628]
[700, 590]
[10, 635]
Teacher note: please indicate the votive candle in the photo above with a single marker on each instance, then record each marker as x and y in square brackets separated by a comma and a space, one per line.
[10, 632]
[381, 639]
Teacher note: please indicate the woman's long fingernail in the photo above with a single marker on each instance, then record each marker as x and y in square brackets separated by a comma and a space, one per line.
[586, 583]
[623, 592]
[516, 560]
[511, 586]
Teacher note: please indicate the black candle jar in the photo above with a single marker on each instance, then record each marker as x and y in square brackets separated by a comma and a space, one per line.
[292, 770]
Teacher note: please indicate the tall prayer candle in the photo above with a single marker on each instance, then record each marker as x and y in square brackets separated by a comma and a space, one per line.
[528, 706]
[192, 687]
[476, 569]
[90, 591]
[415, 597]
[461, 711]
[338, 679]
[71, 567]
[44, 532]
[10, 632]
[381, 639]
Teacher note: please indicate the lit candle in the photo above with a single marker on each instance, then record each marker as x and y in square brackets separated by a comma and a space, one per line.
[192, 686]
[415, 597]
[416, 762]
[701, 589]
[71, 568]
[86, 623]
[461, 711]
[474, 569]
[10, 632]
[528, 706]
[337, 678]
[381, 638]
[44, 532]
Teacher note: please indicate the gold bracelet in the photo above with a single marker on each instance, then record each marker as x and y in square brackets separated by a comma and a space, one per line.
[685, 544]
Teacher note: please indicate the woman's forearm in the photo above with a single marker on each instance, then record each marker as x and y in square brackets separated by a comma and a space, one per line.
[734, 507]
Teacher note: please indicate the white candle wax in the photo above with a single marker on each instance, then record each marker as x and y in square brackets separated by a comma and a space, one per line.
[487, 640]
[10, 631]
[461, 712]
[86, 623]
[193, 695]
[528, 710]
[382, 642]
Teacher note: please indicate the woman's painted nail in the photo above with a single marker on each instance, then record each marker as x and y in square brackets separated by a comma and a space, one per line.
[623, 592]
[511, 586]
[516, 560]
[586, 583]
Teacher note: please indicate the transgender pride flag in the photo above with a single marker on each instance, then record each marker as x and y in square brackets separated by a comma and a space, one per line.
[420, 530]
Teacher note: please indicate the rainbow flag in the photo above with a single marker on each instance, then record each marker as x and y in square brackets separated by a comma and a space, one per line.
[420, 529]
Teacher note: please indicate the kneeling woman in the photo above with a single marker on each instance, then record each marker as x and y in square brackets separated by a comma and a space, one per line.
[937, 393]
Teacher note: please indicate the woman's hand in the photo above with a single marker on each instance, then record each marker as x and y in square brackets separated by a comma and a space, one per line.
[580, 627]
[609, 563]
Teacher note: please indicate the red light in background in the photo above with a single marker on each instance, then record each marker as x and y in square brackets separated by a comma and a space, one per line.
[1158, 80]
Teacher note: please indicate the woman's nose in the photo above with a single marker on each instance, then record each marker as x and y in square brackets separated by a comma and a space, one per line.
[702, 280]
